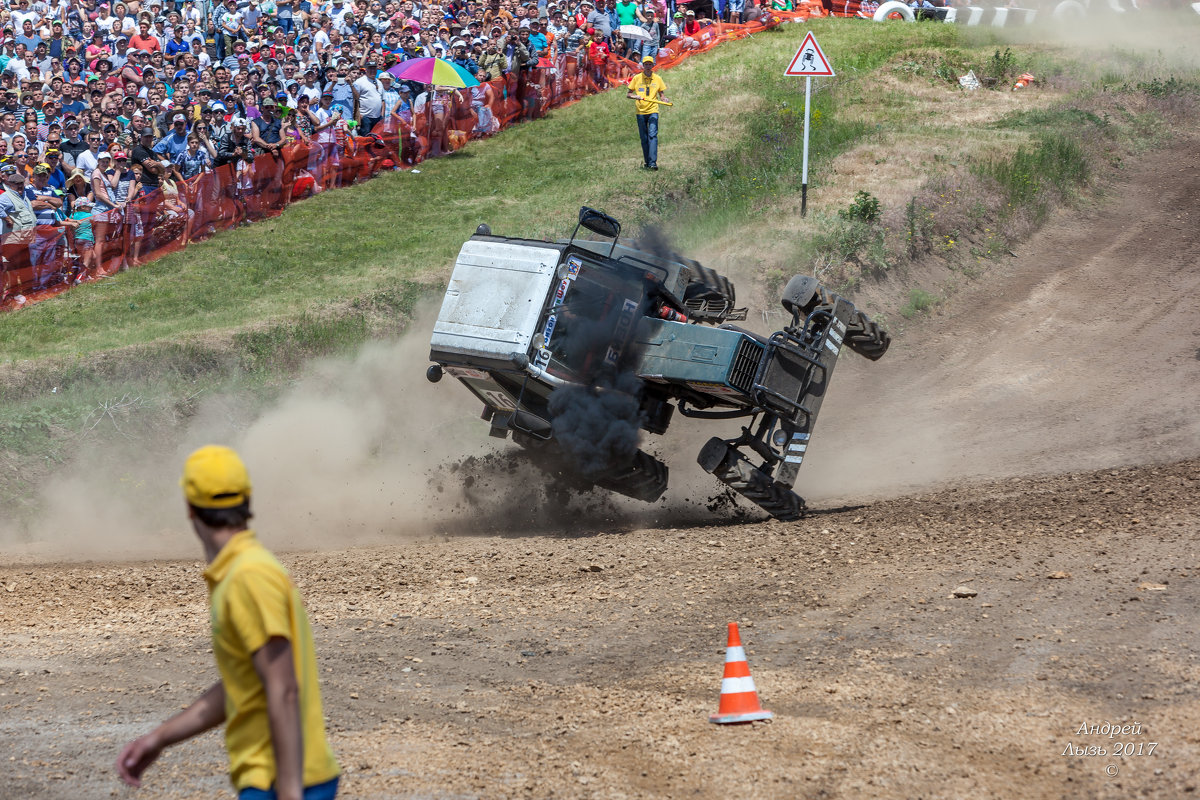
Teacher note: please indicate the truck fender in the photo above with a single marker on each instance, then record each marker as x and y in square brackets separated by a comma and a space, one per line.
[799, 293]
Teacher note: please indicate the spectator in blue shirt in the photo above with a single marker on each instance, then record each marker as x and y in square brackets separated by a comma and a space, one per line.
[177, 44]
[539, 45]
[174, 142]
[27, 37]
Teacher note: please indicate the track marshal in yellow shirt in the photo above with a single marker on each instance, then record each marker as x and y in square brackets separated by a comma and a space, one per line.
[649, 91]
[268, 696]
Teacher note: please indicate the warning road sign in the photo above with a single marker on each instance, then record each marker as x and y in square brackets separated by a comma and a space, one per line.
[809, 61]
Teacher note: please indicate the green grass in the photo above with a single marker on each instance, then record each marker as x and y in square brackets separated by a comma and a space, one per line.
[919, 302]
[1053, 161]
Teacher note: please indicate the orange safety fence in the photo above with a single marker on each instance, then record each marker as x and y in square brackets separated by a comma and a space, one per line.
[46, 261]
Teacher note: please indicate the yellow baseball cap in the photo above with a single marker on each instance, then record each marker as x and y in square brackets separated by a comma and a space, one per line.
[215, 477]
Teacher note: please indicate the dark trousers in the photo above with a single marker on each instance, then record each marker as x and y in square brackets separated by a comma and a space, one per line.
[648, 131]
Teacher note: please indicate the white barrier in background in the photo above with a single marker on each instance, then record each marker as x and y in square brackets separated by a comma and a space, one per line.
[1003, 16]
[974, 15]
[1196, 7]
[893, 7]
[1069, 9]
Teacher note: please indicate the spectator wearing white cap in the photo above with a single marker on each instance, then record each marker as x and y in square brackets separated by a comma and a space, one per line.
[108, 211]
[389, 94]
[234, 146]
[175, 142]
[370, 101]
[597, 20]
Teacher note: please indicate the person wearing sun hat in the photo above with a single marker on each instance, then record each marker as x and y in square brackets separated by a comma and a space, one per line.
[268, 694]
[16, 214]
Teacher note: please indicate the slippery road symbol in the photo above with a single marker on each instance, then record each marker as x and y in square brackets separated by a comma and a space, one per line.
[809, 61]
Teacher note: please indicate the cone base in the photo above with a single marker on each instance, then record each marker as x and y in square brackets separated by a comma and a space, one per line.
[749, 716]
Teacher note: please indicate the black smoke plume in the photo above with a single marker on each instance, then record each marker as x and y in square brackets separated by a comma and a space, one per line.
[598, 425]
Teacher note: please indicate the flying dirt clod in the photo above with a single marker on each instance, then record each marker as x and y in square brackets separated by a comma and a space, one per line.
[576, 346]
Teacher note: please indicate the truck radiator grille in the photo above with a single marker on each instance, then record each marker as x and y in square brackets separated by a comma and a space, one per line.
[745, 364]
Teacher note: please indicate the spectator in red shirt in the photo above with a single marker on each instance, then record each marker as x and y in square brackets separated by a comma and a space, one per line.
[142, 40]
[598, 57]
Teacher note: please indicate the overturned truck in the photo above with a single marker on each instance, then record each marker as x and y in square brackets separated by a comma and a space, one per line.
[575, 347]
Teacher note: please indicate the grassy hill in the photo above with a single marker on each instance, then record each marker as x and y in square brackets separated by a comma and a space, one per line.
[907, 169]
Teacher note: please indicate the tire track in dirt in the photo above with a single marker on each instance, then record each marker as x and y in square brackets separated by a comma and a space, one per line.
[1082, 352]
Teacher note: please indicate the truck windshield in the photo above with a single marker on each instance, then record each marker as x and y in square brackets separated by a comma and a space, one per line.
[590, 322]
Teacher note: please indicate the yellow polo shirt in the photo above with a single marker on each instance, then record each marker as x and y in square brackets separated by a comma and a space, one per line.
[650, 89]
[251, 599]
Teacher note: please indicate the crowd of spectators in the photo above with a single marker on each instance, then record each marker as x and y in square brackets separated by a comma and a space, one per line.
[103, 103]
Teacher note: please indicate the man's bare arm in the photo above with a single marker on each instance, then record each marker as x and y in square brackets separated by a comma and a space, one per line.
[277, 671]
[208, 711]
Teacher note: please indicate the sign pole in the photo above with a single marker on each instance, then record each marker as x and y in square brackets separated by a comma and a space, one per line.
[808, 63]
[804, 173]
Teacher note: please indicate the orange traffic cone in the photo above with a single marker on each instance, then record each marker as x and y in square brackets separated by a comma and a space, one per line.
[739, 699]
[1024, 80]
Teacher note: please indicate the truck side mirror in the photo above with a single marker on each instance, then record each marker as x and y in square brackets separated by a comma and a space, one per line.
[599, 223]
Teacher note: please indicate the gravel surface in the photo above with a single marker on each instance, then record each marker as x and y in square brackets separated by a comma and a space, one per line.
[585, 665]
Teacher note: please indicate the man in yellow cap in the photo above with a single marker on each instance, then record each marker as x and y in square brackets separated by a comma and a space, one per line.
[647, 89]
[268, 696]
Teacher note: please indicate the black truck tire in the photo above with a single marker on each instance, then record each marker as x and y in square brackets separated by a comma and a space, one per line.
[645, 478]
[708, 289]
[866, 338]
[732, 469]
[801, 295]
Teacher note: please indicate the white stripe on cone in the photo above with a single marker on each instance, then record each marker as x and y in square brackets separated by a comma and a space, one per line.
[734, 654]
[737, 685]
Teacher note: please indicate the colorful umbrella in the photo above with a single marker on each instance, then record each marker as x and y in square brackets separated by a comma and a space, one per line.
[436, 71]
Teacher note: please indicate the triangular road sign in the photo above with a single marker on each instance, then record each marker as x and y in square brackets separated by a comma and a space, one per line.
[809, 61]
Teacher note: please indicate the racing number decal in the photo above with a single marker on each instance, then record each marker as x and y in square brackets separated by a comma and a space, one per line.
[498, 399]
[628, 313]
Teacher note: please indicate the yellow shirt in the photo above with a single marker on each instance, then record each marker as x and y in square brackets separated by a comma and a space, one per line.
[650, 89]
[251, 599]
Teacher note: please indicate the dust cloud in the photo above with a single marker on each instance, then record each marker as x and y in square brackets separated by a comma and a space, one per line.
[1150, 40]
[342, 459]
[360, 451]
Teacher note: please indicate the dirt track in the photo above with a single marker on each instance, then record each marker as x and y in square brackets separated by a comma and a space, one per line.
[583, 665]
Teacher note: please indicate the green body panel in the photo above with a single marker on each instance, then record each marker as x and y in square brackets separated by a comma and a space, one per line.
[694, 355]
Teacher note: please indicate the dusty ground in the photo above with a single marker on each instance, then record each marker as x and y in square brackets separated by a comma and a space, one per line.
[583, 663]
